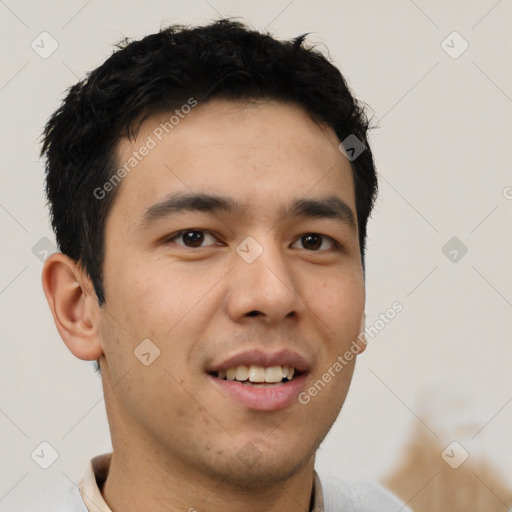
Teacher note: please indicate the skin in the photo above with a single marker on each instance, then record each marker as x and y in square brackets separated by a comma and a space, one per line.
[176, 438]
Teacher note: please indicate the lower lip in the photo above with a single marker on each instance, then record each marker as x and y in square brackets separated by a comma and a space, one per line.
[268, 398]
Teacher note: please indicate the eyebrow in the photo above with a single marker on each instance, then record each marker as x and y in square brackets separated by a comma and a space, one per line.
[331, 207]
[178, 203]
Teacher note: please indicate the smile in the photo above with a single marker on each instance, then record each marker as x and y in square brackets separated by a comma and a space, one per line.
[257, 374]
[261, 380]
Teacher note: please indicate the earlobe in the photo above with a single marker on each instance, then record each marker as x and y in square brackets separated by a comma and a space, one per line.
[73, 304]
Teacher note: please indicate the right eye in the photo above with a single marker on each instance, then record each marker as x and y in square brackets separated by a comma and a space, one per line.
[192, 238]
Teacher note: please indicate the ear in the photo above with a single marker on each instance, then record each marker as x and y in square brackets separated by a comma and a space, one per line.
[74, 305]
[361, 338]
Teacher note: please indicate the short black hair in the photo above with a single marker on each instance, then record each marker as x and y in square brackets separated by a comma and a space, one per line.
[161, 72]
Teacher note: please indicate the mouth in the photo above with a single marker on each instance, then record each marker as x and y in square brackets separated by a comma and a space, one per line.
[260, 380]
[258, 376]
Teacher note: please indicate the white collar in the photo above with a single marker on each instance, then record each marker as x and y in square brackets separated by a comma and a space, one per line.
[94, 477]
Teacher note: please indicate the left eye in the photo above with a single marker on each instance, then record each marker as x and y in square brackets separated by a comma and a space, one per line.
[315, 242]
[193, 238]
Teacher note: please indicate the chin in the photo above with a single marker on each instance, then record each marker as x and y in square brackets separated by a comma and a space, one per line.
[252, 468]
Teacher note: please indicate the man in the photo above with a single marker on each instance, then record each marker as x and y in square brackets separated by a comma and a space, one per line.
[212, 235]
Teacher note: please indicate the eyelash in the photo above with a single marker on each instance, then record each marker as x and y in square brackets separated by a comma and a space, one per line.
[172, 237]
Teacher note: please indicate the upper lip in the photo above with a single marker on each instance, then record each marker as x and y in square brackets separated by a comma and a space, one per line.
[259, 357]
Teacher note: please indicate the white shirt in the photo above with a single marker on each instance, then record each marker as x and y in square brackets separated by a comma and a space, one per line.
[333, 495]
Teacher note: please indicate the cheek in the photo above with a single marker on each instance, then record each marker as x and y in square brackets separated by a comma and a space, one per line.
[338, 302]
[170, 300]
[325, 395]
[152, 297]
[170, 307]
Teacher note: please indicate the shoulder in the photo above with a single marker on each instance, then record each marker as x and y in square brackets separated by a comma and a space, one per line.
[360, 496]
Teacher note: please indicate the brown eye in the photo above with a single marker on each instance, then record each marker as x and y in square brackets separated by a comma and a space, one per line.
[193, 238]
[312, 242]
[315, 242]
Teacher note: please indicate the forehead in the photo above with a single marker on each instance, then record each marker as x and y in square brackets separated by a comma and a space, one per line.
[261, 153]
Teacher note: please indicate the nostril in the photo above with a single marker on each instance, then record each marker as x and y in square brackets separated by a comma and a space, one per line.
[254, 313]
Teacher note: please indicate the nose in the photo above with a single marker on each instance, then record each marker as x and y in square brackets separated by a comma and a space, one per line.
[264, 289]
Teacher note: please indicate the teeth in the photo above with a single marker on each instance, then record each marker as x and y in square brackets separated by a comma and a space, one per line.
[274, 374]
[242, 372]
[255, 373]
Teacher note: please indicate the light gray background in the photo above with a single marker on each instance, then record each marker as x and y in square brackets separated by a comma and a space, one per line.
[443, 151]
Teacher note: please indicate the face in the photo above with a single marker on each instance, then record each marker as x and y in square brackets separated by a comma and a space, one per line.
[231, 245]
